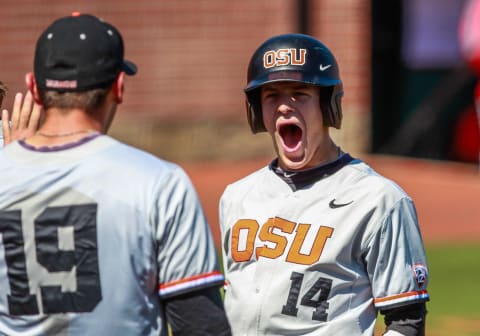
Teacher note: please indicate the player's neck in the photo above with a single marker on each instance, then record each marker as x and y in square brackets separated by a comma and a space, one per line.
[62, 127]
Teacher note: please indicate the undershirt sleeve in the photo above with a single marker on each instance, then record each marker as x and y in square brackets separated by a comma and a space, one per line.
[408, 320]
[199, 312]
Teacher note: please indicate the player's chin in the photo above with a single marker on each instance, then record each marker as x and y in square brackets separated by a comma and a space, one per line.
[292, 161]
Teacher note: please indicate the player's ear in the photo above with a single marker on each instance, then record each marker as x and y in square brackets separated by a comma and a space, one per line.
[118, 87]
[32, 87]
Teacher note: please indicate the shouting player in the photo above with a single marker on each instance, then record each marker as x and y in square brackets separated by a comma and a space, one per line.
[97, 237]
[317, 242]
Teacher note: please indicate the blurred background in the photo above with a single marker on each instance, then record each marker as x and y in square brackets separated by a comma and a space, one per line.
[408, 104]
[407, 89]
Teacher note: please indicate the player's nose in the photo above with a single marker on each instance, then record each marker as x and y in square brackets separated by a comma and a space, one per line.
[286, 104]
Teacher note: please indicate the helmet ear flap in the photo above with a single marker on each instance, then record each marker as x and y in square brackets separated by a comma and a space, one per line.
[254, 112]
[330, 104]
[337, 105]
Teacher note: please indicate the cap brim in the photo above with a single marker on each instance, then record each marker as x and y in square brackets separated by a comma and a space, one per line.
[129, 67]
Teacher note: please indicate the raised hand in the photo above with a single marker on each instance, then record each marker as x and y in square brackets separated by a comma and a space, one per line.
[24, 119]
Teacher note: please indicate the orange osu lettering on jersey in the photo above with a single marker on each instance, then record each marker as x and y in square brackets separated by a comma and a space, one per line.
[274, 236]
[267, 235]
[295, 256]
[249, 226]
[291, 56]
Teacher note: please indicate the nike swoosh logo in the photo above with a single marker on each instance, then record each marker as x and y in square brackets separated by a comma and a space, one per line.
[324, 67]
[334, 205]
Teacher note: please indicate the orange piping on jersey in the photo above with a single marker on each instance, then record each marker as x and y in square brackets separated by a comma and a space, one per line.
[422, 294]
[189, 279]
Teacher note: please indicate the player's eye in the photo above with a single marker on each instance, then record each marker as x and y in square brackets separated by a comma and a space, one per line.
[301, 95]
[269, 94]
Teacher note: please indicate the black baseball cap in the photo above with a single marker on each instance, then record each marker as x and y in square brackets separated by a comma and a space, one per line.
[78, 53]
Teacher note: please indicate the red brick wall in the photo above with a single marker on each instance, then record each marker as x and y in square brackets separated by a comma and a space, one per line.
[345, 27]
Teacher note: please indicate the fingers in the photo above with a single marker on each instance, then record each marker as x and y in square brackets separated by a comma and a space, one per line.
[34, 120]
[5, 127]
[17, 108]
[24, 119]
[25, 113]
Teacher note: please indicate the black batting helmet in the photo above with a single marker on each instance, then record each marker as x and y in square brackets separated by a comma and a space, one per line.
[294, 58]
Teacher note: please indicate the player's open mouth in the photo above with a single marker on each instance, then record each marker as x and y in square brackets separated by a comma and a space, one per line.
[291, 135]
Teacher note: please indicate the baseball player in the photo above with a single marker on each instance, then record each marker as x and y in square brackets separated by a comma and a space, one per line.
[317, 242]
[97, 237]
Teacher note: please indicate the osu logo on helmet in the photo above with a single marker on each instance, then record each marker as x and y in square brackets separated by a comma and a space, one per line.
[291, 56]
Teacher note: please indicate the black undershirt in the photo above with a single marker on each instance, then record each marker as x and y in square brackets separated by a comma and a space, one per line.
[300, 179]
[198, 313]
[408, 320]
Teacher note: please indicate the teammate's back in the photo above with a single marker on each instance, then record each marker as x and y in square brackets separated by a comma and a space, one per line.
[97, 237]
[90, 226]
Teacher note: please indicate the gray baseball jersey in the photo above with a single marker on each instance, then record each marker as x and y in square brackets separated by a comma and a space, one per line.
[93, 236]
[318, 253]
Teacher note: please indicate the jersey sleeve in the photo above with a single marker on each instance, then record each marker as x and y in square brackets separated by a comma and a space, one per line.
[186, 257]
[396, 261]
[223, 230]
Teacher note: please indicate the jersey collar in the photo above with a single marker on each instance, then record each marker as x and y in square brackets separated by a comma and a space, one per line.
[300, 179]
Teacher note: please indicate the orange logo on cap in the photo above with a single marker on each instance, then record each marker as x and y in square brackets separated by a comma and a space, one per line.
[285, 56]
